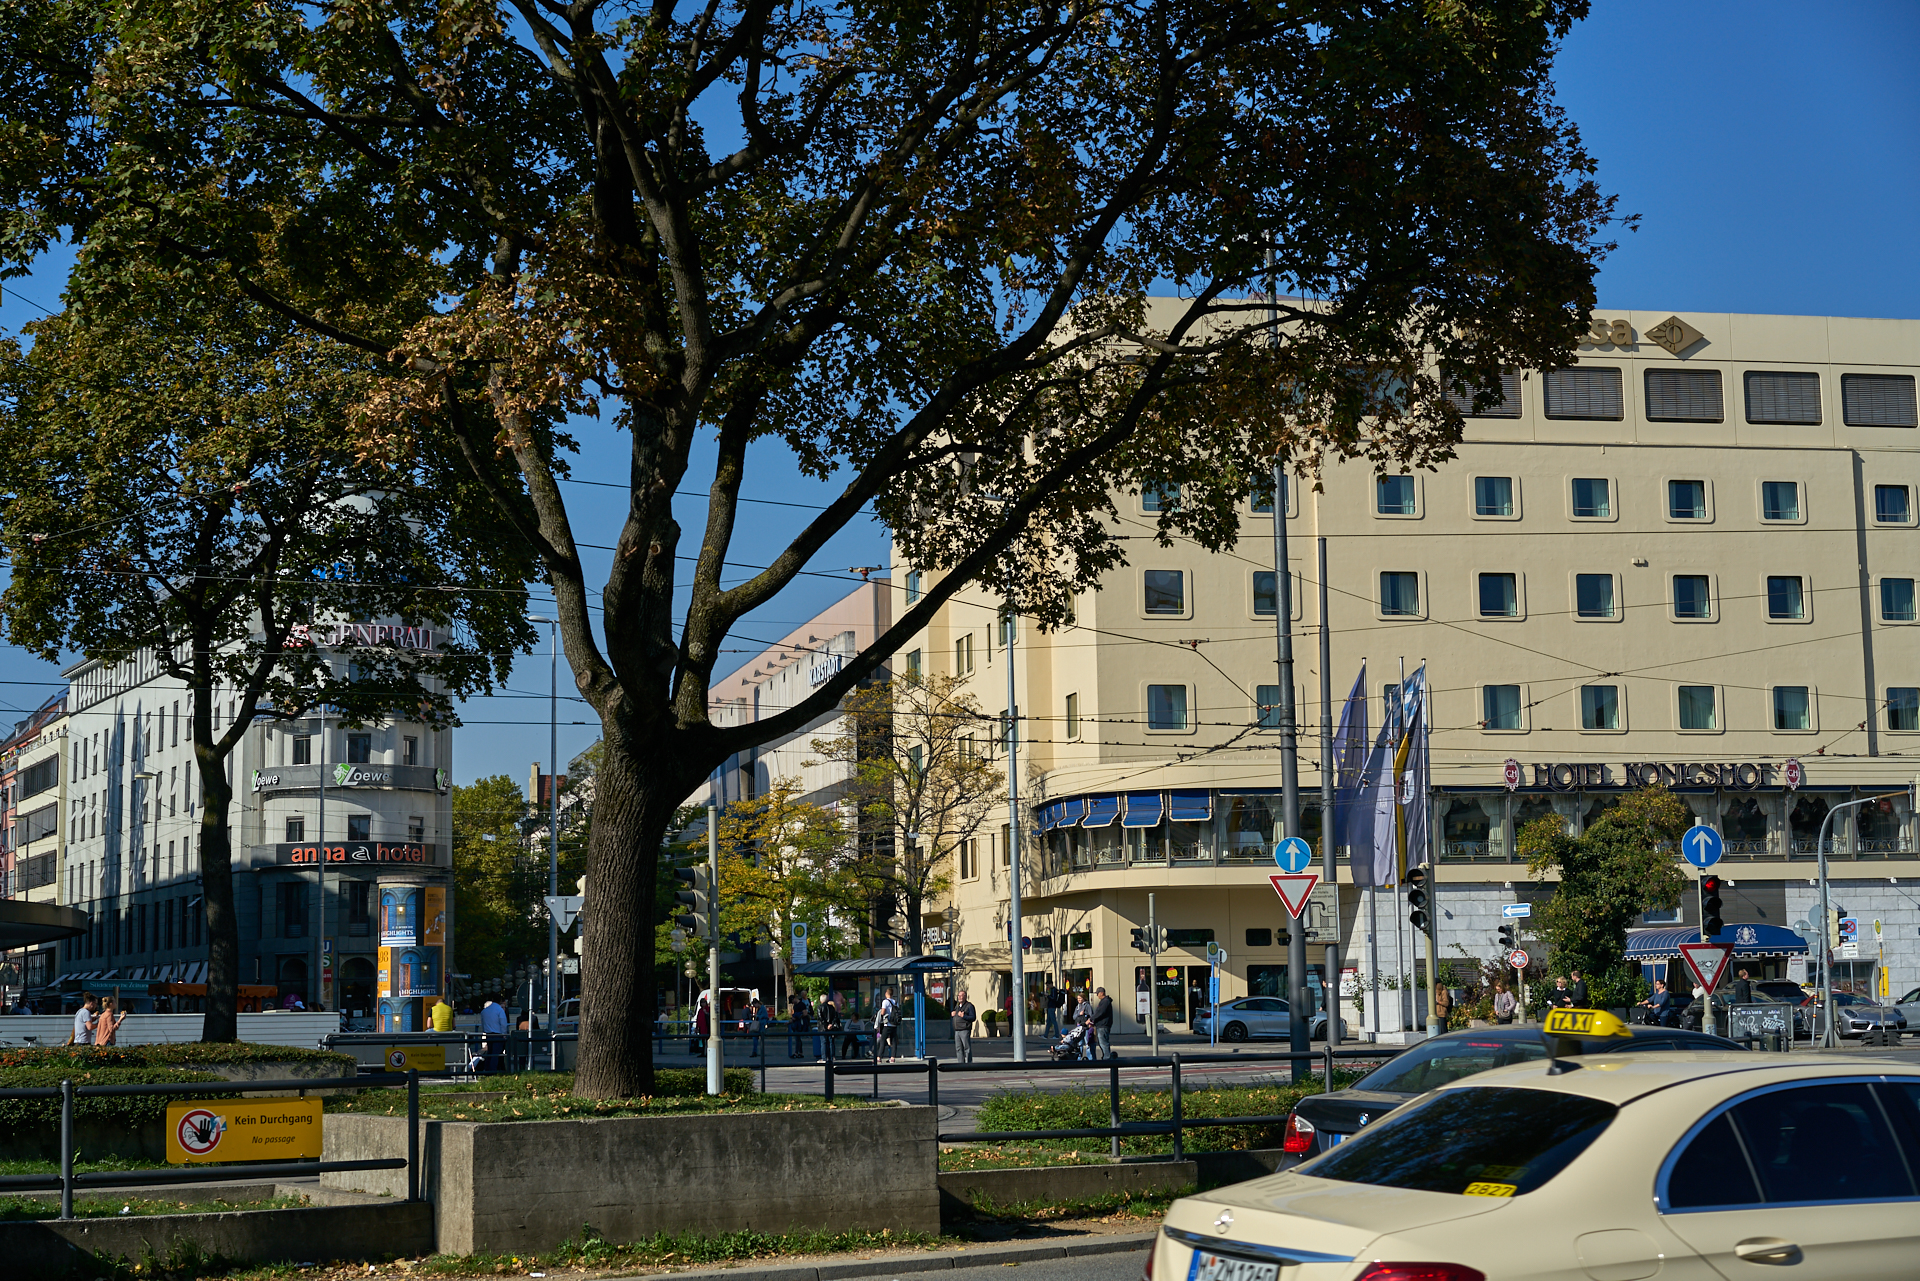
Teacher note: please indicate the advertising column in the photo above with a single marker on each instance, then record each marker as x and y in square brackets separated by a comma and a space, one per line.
[413, 932]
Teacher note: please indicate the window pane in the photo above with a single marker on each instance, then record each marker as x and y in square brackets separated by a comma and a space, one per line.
[1713, 1171]
[1268, 698]
[1263, 494]
[1784, 598]
[1499, 596]
[1590, 498]
[1790, 707]
[1506, 401]
[1493, 495]
[1599, 707]
[1780, 500]
[1073, 716]
[1593, 595]
[1166, 591]
[1877, 400]
[1891, 504]
[1500, 705]
[1162, 499]
[1793, 1136]
[1684, 396]
[1896, 600]
[1399, 593]
[1783, 398]
[1696, 707]
[1903, 707]
[1584, 393]
[1687, 499]
[913, 586]
[1690, 599]
[1264, 596]
[1166, 707]
[1393, 495]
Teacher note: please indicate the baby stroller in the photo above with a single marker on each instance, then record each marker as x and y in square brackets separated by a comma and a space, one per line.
[1074, 1043]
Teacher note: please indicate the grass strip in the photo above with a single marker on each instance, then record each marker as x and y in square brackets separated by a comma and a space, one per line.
[548, 1096]
[23, 1209]
[1088, 1107]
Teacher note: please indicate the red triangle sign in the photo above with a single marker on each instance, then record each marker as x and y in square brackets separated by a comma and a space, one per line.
[1294, 890]
[1708, 961]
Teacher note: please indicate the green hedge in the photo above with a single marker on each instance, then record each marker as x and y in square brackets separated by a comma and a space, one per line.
[127, 1110]
[1086, 1108]
[679, 1083]
[171, 1054]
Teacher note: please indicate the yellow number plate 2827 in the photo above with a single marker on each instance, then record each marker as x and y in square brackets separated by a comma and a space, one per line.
[1207, 1266]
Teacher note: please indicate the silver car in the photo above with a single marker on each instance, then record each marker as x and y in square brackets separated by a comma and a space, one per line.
[1253, 1017]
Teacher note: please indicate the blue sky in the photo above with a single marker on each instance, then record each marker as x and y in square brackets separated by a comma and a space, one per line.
[1768, 149]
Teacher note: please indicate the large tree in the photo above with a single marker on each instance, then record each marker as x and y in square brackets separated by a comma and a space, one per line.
[909, 246]
[176, 479]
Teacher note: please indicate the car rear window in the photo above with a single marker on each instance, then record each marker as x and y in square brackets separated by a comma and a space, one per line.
[1485, 1141]
[1442, 1062]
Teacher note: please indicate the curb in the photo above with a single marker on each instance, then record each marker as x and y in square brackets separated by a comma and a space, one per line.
[985, 1256]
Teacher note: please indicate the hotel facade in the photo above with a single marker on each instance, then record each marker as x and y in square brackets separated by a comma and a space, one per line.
[1690, 558]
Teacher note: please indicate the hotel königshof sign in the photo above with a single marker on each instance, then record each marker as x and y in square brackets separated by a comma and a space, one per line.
[1742, 775]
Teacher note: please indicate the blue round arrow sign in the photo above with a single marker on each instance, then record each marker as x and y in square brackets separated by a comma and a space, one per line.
[1702, 846]
[1293, 854]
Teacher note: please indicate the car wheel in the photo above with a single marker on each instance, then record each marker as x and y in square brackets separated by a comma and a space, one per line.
[1234, 1032]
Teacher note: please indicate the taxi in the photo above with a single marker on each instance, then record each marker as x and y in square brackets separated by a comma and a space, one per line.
[1593, 1166]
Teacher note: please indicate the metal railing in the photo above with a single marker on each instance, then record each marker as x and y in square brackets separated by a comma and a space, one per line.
[67, 1180]
[1116, 1129]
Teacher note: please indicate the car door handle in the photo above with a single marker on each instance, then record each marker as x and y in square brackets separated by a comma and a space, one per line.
[1767, 1250]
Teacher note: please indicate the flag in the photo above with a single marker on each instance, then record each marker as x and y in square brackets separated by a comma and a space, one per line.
[1415, 766]
[1373, 862]
[1349, 764]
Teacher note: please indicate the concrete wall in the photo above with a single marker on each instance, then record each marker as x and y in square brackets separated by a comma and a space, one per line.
[51, 1248]
[531, 1185]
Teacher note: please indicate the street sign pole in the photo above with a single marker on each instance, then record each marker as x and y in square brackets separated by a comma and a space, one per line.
[713, 951]
[1153, 980]
[1828, 1038]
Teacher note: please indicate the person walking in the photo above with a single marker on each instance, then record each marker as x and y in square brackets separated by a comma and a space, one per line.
[1578, 990]
[493, 1030]
[701, 1027]
[1056, 1001]
[1503, 1003]
[106, 1029]
[83, 1020]
[1102, 1021]
[799, 1023]
[1742, 990]
[830, 1026]
[886, 1028]
[757, 1021]
[963, 1017]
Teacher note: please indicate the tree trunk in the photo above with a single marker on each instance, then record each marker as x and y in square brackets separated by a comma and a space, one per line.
[635, 796]
[216, 889]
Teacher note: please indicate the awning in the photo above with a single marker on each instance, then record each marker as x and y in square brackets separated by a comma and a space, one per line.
[25, 924]
[1192, 807]
[1070, 812]
[1048, 817]
[877, 966]
[1748, 939]
[1102, 811]
[1143, 809]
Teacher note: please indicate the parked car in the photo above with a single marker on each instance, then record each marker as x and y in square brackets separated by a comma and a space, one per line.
[1856, 1015]
[1909, 1007]
[1323, 1121]
[1253, 1017]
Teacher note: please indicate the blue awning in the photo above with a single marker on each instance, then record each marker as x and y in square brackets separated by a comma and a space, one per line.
[1748, 939]
[1047, 817]
[1070, 812]
[1192, 807]
[1143, 810]
[1101, 811]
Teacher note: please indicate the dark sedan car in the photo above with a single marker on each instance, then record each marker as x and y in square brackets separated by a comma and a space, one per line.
[1320, 1121]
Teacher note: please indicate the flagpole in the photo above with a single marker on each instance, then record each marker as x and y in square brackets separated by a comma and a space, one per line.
[1331, 985]
[1403, 951]
[1425, 747]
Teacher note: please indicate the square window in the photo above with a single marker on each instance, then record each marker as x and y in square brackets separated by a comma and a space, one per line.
[1164, 498]
[1896, 600]
[296, 829]
[1166, 707]
[1493, 495]
[1785, 597]
[1500, 707]
[1166, 591]
[1691, 597]
[1400, 594]
[1892, 504]
[359, 827]
[1687, 500]
[1259, 938]
[1268, 699]
[1599, 707]
[1499, 595]
[1593, 595]
[1903, 707]
[1263, 495]
[1592, 498]
[1791, 707]
[1073, 716]
[1393, 495]
[1779, 500]
[1264, 596]
[1697, 707]
[359, 749]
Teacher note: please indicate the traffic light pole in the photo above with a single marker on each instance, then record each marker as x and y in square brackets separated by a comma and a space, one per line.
[713, 950]
[1153, 980]
[1828, 1038]
[1299, 1025]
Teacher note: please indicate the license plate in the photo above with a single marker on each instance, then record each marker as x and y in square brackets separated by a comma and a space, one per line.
[1207, 1266]
[1335, 1140]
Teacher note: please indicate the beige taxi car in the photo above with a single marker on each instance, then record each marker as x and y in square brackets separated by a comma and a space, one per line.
[1593, 1167]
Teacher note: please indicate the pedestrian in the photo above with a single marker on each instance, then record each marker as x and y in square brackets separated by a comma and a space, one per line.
[1742, 991]
[963, 1016]
[1056, 1002]
[1102, 1021]
[757, 1020]
[106, 1028]
[799, 1023]
[83, 1019]
[1503, 1003]
[1581, 1001]
[830, 1025]
[886, 1027]
[1560, 998]
[493, 1031]
[1657, 1008]
[1442, 1004]
[442, 1016]
[702, 1025]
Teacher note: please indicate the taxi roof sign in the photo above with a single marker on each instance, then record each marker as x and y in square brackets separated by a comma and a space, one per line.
[1585, 1024]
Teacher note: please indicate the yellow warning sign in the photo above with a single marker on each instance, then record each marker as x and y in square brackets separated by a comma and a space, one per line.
[243, 1130]
[419, 1058]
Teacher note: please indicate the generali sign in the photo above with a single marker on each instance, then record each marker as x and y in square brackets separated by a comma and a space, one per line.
[391, 635]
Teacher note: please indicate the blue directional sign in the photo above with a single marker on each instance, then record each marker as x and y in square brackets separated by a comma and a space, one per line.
[1293, 854]
[1702, 846]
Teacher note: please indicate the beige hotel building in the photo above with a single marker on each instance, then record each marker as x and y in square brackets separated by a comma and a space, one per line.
[1691, 556]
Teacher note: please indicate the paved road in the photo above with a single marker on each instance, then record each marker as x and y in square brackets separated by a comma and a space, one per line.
[1095, 1267]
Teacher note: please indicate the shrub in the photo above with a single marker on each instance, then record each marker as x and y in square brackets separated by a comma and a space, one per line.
[184, 1054]
[680, 1083]
[1088, 1108]
[130, 1111]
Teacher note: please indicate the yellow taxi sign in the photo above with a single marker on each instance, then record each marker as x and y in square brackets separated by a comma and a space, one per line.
[1593, 1023]
[419, 1058]
[243, 1130]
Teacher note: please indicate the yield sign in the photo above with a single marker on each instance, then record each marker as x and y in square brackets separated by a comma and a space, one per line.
[1708, 961]
[1293, 890]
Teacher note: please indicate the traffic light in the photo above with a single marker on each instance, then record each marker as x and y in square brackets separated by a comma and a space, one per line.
[1710, 922]
[1139, 938]
[1833, 925]
[1417, 897]
[698, 896]
[1509, 937]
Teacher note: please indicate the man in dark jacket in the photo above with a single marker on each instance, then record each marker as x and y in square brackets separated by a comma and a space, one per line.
[1581, 1001]
[1742, 990]
[1101, 1020]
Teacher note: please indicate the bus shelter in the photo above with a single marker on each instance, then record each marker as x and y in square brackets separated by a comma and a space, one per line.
[863, 972]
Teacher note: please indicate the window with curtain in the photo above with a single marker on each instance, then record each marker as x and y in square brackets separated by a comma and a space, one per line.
[1399, 593]
[1786, 597]
[1500, 707]
[1499, 596]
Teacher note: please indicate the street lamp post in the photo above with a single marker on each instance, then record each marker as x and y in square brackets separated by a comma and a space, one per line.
[1828, 1039]
[553, 807]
